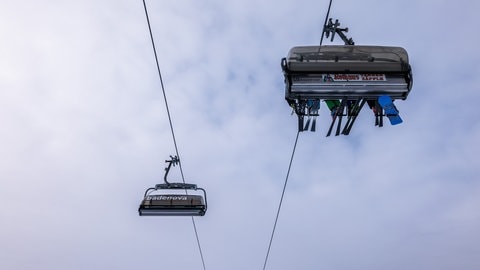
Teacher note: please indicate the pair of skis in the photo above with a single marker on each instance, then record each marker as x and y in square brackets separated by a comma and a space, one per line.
[337, 108]
[384, 103]
[312, 107]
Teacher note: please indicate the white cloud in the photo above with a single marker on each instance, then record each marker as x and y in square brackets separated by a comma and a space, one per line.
[84, 132]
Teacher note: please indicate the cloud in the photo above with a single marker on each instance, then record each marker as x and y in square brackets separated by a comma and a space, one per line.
[85, 131]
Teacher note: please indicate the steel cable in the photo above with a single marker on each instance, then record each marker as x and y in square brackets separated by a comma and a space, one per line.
[171, 123]
[325, 23]
[281, 200]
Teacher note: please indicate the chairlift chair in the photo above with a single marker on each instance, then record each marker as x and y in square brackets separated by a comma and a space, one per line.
[348, 75]
[173, 204]
[338, 71]
[351, 73]
[176, 202]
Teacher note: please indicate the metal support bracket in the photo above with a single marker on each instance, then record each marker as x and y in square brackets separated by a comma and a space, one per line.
[333, 28]
[174, 160]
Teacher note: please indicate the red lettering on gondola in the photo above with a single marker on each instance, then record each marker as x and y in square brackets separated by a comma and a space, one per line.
[346, 77]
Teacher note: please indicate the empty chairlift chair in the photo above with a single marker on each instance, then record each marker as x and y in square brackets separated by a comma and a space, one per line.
[173, 199]
[173, 204]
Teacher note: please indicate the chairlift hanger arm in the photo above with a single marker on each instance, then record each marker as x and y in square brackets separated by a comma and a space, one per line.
[173, 161]
[334, 29]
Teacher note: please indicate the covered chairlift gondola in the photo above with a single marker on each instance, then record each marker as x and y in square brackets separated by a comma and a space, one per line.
[176, 203]
[350, 73]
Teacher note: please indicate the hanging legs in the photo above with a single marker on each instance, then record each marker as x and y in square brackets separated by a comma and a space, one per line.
[390, 110]
[313, 106]
[384, 104]
[307, 111]
[353, 112]
[337, 113]
[307, 108]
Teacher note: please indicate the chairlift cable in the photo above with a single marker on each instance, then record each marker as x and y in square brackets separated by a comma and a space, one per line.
[198, 243]
[325, 23]
[280, 203]
[171, 122]
[163, 87]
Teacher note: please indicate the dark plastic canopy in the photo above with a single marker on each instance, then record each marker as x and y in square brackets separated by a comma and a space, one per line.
[339, 71]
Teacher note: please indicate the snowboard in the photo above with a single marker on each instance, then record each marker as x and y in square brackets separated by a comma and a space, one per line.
[390, 110]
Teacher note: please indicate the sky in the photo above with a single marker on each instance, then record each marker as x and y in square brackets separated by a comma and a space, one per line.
[84, 132]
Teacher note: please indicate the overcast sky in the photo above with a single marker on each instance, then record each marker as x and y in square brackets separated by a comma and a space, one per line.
[84, 131]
